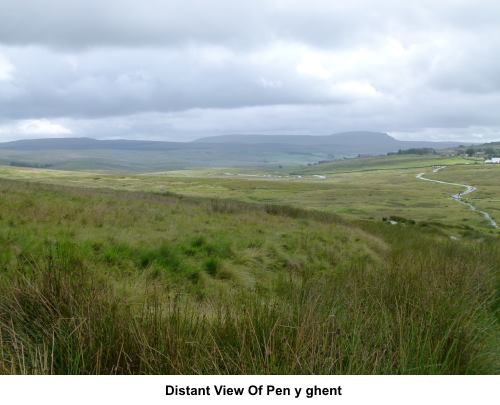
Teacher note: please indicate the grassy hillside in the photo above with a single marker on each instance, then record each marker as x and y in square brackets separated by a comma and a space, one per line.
[382, 163]
[147, 161]
[358, 189]
[206, 271]
[103, 281]
[485, 177]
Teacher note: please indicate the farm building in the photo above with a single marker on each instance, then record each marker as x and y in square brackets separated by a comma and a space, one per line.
[493, 160]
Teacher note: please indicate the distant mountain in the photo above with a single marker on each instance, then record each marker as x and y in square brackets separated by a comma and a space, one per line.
[87, 143]
[216, 151]
[345, 138]
[364, 141]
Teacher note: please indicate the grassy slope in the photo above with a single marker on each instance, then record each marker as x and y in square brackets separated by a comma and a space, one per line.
[369, 188]
[146, 161]
[382, 163]
[99, 281]
[486, 178]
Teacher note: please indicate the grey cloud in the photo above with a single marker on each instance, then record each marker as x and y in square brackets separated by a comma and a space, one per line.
[175, 69]
[471, 67]
[120, 82]
[90, 23]
[83, 24]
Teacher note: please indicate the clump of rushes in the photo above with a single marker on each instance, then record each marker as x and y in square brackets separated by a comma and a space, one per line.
[211, 266]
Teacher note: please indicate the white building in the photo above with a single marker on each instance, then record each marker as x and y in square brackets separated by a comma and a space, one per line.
[495, 160]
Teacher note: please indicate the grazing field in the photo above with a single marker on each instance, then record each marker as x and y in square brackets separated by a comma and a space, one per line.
[486, 178]
[383, 163]
[357, 189]
[263, 272]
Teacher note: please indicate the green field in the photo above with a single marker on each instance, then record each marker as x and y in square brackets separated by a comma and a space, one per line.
[250, 271]
[357, 189]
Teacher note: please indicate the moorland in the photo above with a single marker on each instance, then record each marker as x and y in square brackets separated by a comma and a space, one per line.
[352, 266]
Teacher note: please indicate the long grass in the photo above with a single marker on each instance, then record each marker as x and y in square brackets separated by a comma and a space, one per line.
[213, 297]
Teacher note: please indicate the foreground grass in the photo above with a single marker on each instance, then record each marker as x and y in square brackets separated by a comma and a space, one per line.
[101, 281]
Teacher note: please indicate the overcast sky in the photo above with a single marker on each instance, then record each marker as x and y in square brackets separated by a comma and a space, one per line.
[180, 69]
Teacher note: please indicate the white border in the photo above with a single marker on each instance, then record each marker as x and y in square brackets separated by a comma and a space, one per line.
[125, 390]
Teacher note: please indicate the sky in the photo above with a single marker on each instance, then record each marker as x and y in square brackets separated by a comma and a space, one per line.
[177, 70]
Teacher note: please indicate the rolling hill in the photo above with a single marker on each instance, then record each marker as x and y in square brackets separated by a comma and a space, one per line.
[362, 141]
[217, 151]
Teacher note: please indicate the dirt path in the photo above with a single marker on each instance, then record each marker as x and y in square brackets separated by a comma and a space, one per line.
[459, 196]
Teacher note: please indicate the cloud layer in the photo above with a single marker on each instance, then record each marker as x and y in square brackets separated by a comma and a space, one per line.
[181, 69]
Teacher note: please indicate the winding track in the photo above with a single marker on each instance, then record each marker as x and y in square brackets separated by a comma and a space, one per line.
[459, 196]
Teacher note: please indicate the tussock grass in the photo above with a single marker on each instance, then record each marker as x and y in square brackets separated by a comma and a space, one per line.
[104, 282]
